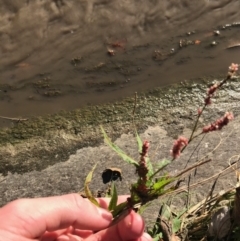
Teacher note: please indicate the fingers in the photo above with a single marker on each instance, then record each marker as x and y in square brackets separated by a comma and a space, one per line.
[30, 218]
[129, 228]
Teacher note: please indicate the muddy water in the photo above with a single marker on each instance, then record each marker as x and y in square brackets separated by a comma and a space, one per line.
[54, 54]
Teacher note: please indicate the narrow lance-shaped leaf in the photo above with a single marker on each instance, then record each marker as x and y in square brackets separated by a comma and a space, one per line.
[120, 152]
[88, 193]
[158, 187]
[139, 141]
[119, 209]
[114, 197]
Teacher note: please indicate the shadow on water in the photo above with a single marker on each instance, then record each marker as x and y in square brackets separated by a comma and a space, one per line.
[61, 54]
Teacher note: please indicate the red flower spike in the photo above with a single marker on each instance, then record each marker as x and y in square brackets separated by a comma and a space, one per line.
[219, 124]
[178, 145]
[208, 100]
[233, 68]
[145, 148]
[212, 89]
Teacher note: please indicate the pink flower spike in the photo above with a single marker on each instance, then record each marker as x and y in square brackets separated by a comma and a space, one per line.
[233, 68]
[178, 145]
[145, 148]
[212, 89]
[208, 100]
[219, 124]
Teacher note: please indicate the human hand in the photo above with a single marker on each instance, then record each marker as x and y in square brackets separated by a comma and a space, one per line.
[67, 218]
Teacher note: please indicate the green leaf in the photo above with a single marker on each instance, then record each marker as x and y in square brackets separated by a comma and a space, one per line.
[120, 152]
[139, 141]
[157, 237]
[150, 167]
[143, 208]
[158, 187]
[119, 208]
[163, 164]
[176, 225]
[114, 197]
[166, 212]
[88, 193]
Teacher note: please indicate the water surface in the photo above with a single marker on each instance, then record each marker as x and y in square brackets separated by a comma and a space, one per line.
[54, 54]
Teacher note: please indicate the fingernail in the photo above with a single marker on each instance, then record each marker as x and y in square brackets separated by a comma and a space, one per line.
[105, 214]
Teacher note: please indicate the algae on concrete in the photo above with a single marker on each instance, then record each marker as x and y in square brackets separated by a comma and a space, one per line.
[53, 138]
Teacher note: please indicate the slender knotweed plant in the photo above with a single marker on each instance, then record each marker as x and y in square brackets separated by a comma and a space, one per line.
[147, 187]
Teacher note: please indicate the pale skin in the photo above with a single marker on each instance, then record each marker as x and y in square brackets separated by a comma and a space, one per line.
[67, 218]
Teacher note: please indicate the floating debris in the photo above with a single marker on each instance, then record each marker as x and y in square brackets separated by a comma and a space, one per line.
[216, 32]
[23, 65]
[214, 43]
[187, 42]
[111, 52]
[76, 60]
[118, 43]
[234, 24]
[159, 55]
[191, 32]
[197, 41]
[233, 46]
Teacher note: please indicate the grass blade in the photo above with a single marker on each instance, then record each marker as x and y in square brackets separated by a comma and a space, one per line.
[114, 197]
[88, 193]
[139, 141]
[120, 152]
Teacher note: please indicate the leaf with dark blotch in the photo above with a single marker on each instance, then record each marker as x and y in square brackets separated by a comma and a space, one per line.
[86, 187]
[114, 197]
[120, 152]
